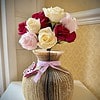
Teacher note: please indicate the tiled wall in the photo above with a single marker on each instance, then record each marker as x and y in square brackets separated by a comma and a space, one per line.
[82, 58]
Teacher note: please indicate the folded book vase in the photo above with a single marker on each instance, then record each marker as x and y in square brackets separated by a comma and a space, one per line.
[53, 85]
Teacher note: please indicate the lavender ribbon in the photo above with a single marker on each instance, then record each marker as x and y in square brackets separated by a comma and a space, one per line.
[44, 65]
[39, 68]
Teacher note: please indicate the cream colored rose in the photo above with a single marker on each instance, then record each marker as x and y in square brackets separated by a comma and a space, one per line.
[47, 38]
[33, 25]
[54, 14]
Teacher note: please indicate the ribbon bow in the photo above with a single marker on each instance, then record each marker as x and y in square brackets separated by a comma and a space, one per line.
[43, 67]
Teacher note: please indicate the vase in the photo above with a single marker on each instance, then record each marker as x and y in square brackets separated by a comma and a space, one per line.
[54, 84]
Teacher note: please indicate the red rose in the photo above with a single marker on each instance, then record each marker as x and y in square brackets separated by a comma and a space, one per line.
[63, 34]
[21, 28]
[43, 19]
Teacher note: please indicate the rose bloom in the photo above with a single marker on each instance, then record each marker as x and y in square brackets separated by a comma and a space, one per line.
[33, 25]
[21, 28]
[69, 22]
[28, 41]
[63, 34]
[43, 19]
[54, 14]
[47, 38]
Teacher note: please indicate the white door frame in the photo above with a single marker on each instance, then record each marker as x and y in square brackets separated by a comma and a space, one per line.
[8, 41]
[1, 60]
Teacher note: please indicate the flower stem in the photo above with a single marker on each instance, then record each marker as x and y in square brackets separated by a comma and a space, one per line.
[49, 53]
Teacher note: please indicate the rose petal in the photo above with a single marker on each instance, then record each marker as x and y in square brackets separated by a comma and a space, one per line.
[21, 28]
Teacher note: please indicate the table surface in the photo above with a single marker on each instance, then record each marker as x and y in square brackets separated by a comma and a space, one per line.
[14, 92]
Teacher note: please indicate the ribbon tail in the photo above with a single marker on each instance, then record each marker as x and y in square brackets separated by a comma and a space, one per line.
[39, 74]
[37, 77]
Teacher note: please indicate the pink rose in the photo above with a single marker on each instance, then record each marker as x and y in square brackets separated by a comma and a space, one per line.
[21, 28]
[63, 34]
[28, 41]
[43, 19]
[69, 22]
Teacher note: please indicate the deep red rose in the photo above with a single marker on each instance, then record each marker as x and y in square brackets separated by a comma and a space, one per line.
[21, 28]
[43, 19]
[63, 34]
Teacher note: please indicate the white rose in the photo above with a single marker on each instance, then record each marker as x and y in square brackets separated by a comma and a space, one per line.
[47, 38]
[54, 14]
[33, 25]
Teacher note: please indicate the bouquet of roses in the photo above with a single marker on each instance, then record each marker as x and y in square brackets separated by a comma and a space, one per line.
[47, 28]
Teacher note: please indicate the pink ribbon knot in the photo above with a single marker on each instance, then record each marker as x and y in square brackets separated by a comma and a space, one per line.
[44, 65]
[40, 68]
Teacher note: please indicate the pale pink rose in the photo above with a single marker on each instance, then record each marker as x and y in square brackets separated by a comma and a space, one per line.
[69, 22]
[28, 41]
